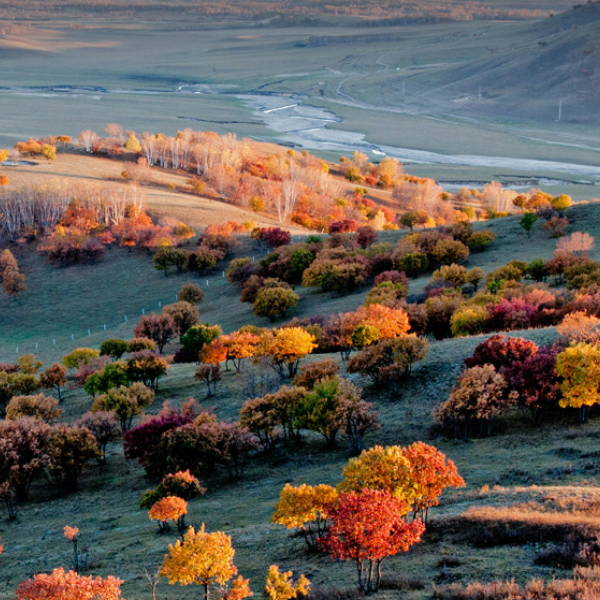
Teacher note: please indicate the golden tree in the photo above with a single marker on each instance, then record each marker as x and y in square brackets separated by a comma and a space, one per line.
[305, 507]
[379, 468]
[579, 367]
[205, 559]
[280, 585]
[286, 347]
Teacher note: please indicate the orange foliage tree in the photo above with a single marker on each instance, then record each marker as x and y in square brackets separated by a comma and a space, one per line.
[170, 508]
[61, 585]
[417, 474]
[205, 559]
[72, 535]
[240, 345]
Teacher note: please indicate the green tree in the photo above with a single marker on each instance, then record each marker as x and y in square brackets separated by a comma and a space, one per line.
[274, 302]
[527, 222]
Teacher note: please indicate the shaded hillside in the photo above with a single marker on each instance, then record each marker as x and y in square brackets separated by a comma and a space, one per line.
[528, 69]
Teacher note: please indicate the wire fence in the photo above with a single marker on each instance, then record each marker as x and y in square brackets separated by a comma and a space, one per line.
[121, 325]
[96, 332]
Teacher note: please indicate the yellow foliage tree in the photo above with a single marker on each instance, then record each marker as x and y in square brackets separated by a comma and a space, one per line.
[305, 507]
[280, 586]
[286, 347]
[205, 559]
[579, 367]
[380, 468]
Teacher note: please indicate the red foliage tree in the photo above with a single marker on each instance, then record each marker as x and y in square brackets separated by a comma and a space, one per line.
[501, 352]
[366, 528]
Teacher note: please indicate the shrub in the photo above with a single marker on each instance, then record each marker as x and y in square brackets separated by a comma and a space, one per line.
[480, 239]
[140, 344]
[447, 251]
[469, 320]
[192, 293]
[274, 302]
[115, 348]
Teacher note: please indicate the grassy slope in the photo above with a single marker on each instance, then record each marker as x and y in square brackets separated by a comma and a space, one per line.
[120, 538]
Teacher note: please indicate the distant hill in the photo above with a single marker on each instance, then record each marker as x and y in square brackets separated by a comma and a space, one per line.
[528, 69]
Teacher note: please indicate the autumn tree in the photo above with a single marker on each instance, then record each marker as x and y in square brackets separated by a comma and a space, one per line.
[195, 339]
[54, 377]
[274, 302]
[69, 586]
[184, 314]
[389, 361]
[286, 347]
[281, 586]
[580, 243]
[579, 368]
[169, 508]
[537, 382]
[13, 282]
[305, 508]
[126, 402]
[210, 374]
[71, 534]
[181, 484]
[103, 426]
[191, 292]
[316, 372]
[146, 367]
[205, 559]
[430, 474]
[24, 454]
[41, 407]
[480, 395]
[71, 446]
[159, 328]
[114, 347]
[367, 527]
[379, 468]
[241, 345]
[80, 356]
